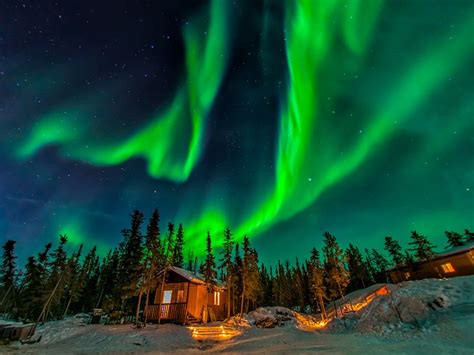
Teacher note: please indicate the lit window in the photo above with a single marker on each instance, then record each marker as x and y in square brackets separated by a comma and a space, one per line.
[447, 268]
[217, 298]
[407, 275]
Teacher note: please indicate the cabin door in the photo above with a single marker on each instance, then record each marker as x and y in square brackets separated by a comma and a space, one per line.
[165, 309]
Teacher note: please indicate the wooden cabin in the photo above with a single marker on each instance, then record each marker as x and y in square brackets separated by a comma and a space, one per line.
[458, 261]
[185, 299]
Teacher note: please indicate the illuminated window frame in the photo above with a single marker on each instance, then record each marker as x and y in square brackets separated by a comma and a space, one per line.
[217, 298]
[448, 268]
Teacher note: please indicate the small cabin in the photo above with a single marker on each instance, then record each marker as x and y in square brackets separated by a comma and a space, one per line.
[185, 298]
[458, 261]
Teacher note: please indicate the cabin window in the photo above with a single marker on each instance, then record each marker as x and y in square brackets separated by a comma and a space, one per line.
[180, 296]
[447, 268]
[167, 296]
[407, 275]
[217, 298]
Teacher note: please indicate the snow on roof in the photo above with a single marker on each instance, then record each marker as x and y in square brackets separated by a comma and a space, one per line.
[193, 277]
[449, 252]
[359, 295]
[456, 250]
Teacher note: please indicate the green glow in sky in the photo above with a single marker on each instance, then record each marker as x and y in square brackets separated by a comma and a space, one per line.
[159, 141]
[321, 139]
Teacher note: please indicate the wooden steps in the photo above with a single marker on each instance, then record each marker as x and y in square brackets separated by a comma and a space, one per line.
[213, 332]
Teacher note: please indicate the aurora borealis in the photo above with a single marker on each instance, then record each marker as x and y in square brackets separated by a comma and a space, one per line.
[278, 119]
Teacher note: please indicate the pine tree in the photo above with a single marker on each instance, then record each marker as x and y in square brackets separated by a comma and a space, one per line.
[131, 253]
[336, 275]
[454, 239]
[8, 274]
[237, 281]
[227, 265]
[358, 273]
[316, 272]
[394, 249]
[381, 266]
[422, 247]
[153, 261]
[468, 236]
[73, 288]
[209, 268]
[57, 280]
[250, 275]
[178, 258]
[32, 291]
[297, 275]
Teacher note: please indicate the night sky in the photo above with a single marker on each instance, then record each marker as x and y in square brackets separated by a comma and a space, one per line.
[279, 119]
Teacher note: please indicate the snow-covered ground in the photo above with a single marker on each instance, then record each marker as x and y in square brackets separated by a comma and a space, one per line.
[425, 316]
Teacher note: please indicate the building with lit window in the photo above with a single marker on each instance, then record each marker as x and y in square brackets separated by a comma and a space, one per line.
[458, 261]
[184, 298]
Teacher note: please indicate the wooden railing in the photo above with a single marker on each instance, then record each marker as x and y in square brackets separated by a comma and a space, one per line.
[169, 311]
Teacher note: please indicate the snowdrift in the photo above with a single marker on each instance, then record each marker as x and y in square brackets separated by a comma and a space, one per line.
[271, 317]
[424, 305]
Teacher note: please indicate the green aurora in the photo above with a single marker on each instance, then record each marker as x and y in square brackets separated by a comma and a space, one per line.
[350, 95]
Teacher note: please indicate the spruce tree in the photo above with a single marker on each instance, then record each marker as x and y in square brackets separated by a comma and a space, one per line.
[422, 247]
[237, 281]
[32, 291]
[131, 253]
[178, 258]
[226, 265]
[394, 249]
[358, 273]
[250, 275]
[454, 239]
[381, 266]
[336, 275]
[468, 236]
[209, 266]
[8, 274]
[316, 272]
[57, 280]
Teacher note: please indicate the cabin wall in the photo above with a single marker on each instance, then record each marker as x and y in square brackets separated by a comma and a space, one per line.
[463, 264]
[175, 288]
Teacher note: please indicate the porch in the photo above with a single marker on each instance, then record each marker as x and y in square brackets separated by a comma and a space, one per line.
[169, 312]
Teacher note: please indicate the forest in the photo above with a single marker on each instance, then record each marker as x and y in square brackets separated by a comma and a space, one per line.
[54, 283]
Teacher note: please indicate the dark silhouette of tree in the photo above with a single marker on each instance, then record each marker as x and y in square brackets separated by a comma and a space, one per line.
[178, 258]
[469, 236]
[316, 272]
[131, 253]
[380, 265]
[454, 239]
[8, 275]
[337, 276]
[359, 275]
[422, 247]
[393, 248]
[226, 265]
[250, 275]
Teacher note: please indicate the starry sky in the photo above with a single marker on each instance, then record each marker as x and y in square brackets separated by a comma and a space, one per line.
[278, 119]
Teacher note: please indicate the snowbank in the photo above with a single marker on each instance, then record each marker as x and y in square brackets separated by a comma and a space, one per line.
[271, 317]
[55, 331]
[416, 306]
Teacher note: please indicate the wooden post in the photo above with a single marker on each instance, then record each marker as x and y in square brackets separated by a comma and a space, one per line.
[186, 307]
[46, 305]
[161, 294]
[138, 307]
[146, 306]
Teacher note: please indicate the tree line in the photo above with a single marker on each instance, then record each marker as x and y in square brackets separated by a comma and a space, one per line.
[54, 283]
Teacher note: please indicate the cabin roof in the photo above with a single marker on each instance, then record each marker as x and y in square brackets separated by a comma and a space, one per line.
[452, 251]
[193, 277]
